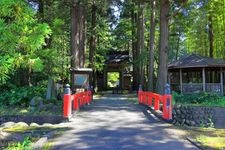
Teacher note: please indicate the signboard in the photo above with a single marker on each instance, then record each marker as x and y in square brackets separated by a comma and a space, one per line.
[81, 80]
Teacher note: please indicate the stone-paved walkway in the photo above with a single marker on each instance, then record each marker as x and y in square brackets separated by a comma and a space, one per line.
[113, 123]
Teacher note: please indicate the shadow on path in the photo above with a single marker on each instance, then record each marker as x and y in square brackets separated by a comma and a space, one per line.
[114, 123]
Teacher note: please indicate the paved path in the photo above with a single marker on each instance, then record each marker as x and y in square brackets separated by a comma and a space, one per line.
[113, 123]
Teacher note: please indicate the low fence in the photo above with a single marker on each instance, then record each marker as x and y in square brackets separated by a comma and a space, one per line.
[73, 102]
[153, 99]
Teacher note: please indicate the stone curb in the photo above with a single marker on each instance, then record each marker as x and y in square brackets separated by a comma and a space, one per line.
[195, 143]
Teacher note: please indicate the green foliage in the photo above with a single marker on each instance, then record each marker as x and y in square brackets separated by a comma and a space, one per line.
[104, 43]
[205, 99]
[21, 37]
[122, 34]
[21, 95]
[194, 38]
[5, 68]
[112, 78]
[25, 145]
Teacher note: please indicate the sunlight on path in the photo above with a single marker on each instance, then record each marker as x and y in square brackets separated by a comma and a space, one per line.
[114, 123]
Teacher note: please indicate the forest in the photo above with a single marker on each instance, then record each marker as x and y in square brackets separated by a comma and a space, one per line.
[42, 39]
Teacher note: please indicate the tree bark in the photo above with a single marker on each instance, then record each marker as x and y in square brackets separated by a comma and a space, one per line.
[75, 36]
[211, 37]
[163, 46]
[140, 43]
[93, 42]
[142, 47]
[93, 36]
[134, 48]
[151, 47]
[81, 36]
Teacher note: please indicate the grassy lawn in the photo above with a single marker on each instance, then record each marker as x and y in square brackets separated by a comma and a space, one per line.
[209, 138]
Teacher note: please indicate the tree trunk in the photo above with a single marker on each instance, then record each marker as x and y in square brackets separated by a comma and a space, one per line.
[93, 37]
[134, 48]
[138, 46]
[142, 47]
[81, 36]
[75, 36]
[211, 37]
[151, 47]
[163, 45]
[178, 45]
[93, 43]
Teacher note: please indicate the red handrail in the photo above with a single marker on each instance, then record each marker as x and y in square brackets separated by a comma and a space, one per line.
[147, 98]
[79, 99]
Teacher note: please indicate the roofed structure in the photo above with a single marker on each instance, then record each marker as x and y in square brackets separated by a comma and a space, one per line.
[117, 57]
[196, 73]
[116, 62]
[194, 60]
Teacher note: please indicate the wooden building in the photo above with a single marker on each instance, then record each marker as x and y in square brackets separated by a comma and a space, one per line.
[116, 62]
[195, 73]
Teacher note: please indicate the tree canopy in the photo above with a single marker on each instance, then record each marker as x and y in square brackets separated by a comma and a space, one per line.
[43, 38]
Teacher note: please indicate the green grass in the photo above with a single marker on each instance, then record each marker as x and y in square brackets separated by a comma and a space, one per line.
[22, 129]
[48, 146]
[211, 142]
[209, 138]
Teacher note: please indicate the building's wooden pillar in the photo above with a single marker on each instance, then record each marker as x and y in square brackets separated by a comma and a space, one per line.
[181, 81]
[105, 79]
[221, 80]
[203, 79]
[121, 80]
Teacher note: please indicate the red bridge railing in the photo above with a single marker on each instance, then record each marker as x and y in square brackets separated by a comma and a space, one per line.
[155, 100]
[73, 102]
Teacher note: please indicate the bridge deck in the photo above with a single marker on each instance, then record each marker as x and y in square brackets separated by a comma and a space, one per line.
[114, 123]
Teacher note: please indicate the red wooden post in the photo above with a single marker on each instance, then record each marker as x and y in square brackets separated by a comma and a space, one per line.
[147, 97]
[144, 98]
[167, 107]
[86, 98]
[78, 100]
[156, 101]
[75, 102]
[150, 99]
[81, 99]
[67, 106]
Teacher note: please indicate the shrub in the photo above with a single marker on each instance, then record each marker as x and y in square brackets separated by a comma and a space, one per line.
[21, 95]
[210, 99]
[25, 145]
